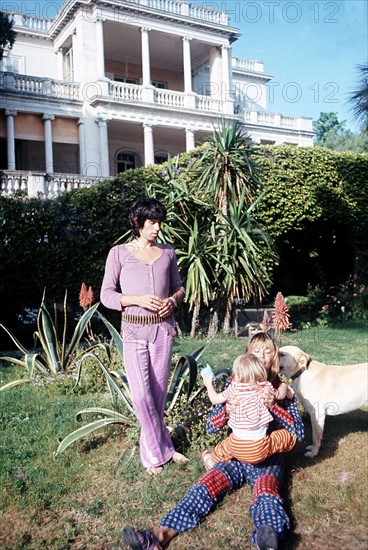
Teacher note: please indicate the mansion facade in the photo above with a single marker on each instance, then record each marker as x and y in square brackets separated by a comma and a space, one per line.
[108, 85]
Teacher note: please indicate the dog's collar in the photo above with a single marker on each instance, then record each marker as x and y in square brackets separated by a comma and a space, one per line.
[297, 374]
[301, 370]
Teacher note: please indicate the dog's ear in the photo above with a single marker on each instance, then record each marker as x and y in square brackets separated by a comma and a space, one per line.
[302, 359]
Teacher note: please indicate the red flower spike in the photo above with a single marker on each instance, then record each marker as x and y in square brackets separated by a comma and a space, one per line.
[86, 297]
[281, 314]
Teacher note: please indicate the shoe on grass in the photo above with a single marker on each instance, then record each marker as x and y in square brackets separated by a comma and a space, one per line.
[140, 540]
[266, 538]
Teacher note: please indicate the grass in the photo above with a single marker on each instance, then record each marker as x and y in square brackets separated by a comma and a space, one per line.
[84, 498]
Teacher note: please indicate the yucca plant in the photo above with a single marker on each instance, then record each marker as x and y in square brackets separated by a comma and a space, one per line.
[56, 355]
[182, 379]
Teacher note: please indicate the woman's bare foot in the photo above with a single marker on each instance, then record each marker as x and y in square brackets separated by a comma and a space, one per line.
[178, 458]
[206, 458]
[154, 471]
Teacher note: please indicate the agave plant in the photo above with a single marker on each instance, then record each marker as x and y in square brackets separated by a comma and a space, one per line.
[57, 355]
[184, 376]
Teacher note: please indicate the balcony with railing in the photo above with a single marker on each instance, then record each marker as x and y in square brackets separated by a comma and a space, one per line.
[38, 86]
[276, 120]
[179, 8]
[33, 184]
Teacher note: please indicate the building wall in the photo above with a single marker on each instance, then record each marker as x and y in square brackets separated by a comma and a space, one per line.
[90, 125]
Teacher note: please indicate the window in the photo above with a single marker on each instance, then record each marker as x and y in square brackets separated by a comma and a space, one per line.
[159, 84]
[68, 72]
[126, 80]
[161, 157]
[202, 79]
[126, 160]
[12, 64]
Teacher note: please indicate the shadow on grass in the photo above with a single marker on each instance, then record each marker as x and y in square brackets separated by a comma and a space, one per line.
[336, 427]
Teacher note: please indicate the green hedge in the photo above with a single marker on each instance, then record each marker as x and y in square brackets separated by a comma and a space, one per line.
[58, 244]
[315, 206]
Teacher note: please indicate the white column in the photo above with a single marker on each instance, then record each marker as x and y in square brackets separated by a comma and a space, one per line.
[59, 64]
[225, 67]
[187, 65]
[49, 160]
[82, 152]
[189, 137]
[104, 146]
[100, 50]
[11, 138]
[227, 94]
[149, 155]
[146, 68]
[75, 50]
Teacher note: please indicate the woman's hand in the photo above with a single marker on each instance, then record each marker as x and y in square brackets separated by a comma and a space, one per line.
[267, 396]
[231, 404]
[284, 390]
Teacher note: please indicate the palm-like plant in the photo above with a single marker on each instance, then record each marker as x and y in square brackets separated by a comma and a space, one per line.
[226, 167]
[243, 248]
[359, 98]
[228, 173]
[57, 354]
[190, 228]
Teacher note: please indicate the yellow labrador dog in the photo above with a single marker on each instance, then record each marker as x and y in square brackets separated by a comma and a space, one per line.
[324, 389]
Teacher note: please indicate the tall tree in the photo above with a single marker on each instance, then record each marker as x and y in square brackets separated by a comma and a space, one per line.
[326, 126]
[7, 34]
[227, 173]
[359, 98]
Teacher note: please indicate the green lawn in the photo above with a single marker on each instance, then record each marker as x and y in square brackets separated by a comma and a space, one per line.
[84, 498]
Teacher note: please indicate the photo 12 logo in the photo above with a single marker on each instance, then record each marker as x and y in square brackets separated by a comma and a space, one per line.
[292, 92]
[270, 11]
[42, 10]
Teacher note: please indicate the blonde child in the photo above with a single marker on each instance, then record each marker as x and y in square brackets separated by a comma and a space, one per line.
[252, 394]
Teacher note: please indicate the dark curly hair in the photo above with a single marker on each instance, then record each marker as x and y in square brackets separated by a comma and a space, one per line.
[145, 209]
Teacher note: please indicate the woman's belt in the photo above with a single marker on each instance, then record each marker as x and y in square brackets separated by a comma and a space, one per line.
[142, 319]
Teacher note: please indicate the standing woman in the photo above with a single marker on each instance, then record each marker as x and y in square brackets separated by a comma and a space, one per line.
[142, 281]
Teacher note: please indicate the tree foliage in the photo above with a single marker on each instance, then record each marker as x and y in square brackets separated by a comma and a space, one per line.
[333, 134]
[327, 125]
[316, 207]
[7, 34]
[359, 98]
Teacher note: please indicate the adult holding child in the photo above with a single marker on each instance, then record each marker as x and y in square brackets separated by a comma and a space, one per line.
[249, 419]
[143, 282]
[269, 516]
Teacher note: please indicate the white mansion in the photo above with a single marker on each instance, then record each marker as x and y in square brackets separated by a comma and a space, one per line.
[109, 85]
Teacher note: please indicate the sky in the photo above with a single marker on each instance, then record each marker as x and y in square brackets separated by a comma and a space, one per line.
[311, 47]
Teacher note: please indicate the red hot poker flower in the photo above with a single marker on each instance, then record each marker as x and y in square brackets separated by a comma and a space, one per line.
[86, 297]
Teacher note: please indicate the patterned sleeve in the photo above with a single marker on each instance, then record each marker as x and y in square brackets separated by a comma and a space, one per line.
[288, 416]
[218, 417]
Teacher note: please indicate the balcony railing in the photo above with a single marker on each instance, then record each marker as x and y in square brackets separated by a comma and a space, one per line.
[120, 91]
[175, 7]
[45, 87]
[34, 184]
[260, 118]
[169, 98]
[250, 65]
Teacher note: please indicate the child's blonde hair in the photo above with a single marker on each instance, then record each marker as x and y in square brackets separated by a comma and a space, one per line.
[248, 369]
